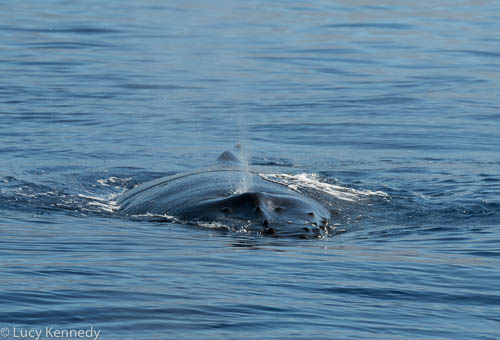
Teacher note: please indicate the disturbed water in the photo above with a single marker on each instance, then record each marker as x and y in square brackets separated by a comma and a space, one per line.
[399, 99]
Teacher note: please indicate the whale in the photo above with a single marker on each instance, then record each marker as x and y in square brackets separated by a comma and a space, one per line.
[229, 196]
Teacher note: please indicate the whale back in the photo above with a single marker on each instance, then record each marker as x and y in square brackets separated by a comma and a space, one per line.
[219, 195]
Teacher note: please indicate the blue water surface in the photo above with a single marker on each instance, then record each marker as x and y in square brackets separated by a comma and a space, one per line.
[399, 97]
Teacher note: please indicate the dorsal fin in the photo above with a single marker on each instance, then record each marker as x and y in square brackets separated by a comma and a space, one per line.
[228, 156]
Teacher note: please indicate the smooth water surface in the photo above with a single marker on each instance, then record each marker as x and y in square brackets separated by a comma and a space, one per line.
[399, 98]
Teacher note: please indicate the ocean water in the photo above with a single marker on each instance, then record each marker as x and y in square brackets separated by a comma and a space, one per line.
[400, 98]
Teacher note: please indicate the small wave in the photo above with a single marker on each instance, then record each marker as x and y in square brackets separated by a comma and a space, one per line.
[313, 181]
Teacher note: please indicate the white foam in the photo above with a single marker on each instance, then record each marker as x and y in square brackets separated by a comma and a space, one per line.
[312, 181]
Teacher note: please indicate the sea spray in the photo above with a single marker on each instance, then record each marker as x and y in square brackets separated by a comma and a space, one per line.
[246, 178]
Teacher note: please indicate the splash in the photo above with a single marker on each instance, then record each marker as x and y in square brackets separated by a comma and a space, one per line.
[303, 181]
